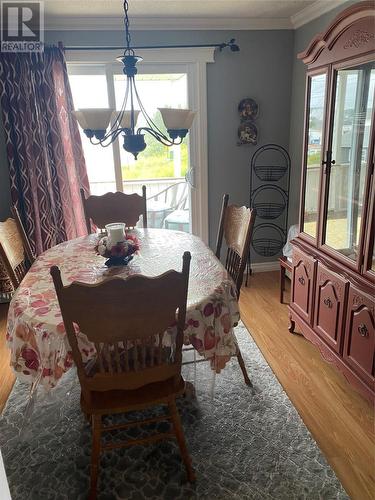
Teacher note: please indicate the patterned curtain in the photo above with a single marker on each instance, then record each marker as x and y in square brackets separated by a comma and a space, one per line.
[46, 162]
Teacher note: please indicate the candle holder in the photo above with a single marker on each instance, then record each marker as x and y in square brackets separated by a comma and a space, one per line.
[115, 232]
[118, 246]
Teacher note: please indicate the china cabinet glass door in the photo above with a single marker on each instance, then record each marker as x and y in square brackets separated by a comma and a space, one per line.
[313, 151]
[369, 261]
[347, 157]
[372, 254]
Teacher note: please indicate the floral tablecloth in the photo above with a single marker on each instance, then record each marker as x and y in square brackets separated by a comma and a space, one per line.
[40, 351]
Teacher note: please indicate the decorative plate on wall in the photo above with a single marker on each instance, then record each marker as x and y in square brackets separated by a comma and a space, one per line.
[248, 109]
[247, 133]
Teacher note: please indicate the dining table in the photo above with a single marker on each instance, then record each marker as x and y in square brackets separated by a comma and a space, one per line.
[40, 351]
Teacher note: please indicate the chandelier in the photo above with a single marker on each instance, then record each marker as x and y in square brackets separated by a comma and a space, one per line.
[95, 121]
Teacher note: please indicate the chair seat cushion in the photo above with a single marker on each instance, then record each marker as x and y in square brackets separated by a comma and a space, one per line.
[178, 217]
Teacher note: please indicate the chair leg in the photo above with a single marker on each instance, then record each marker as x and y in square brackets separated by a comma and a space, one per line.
[95, 454]
[243, 368]
[181, 440]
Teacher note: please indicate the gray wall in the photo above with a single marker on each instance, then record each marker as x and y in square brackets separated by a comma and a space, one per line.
[302, 38]
[262, 70]
[265, 58]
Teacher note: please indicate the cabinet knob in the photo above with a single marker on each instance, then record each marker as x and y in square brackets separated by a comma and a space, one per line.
[301, 279]
[362, 329]
[328, 302]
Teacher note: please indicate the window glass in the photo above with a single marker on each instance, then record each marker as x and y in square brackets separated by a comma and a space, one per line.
[90, 91]
[314, 152]
[353, 108]
[156, 161]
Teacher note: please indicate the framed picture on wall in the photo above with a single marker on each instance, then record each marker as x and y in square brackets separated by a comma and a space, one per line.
[247, 133]
[248, 109]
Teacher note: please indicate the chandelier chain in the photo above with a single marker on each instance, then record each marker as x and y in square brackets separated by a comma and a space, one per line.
[127, 23]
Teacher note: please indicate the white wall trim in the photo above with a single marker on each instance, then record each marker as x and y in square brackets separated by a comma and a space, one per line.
[197, 95]
[146, 23]
[264, 267]
[314, 11]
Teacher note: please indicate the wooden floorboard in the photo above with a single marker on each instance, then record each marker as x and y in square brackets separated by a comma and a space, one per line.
[6, 374]
[340, 420]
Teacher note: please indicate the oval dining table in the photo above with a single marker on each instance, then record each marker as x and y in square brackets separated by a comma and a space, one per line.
[40, 352]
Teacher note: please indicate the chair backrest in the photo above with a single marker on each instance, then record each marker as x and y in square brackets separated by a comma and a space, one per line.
[12, 252]
[175, 195]
[114, 207]
[125, 319]
[236, 226]
[25, 240]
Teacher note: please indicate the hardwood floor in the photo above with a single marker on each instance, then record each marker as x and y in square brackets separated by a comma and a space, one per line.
[6, 374]
[340, 420]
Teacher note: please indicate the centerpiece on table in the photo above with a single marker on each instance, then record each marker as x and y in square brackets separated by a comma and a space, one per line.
[118, 246]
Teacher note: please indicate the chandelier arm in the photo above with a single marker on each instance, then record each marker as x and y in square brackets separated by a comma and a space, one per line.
[149, 120]
[113, 136]
[160, 138]
[165, 141]
[110, 135]
[118, 120]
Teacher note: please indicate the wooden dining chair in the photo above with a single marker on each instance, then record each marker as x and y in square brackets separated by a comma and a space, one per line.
[125, 320]
[114, 207]
[235, 227]
[12, 252]
[25, 239]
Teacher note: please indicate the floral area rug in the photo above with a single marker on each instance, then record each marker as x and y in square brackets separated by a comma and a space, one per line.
[245, 444]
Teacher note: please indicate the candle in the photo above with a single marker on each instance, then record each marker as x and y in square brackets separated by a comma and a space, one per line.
[116, 232]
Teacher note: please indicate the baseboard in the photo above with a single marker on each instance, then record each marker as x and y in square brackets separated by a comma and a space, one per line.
[263, 267]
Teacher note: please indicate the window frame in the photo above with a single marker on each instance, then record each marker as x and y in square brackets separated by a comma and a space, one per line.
[193, 62]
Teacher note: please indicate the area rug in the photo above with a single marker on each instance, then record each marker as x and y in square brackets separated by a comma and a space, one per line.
[245, 444]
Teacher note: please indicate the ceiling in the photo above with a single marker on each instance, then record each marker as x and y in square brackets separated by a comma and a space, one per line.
[185, 14]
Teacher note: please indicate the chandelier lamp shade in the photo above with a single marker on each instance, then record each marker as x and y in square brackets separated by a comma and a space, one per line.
[103, 126]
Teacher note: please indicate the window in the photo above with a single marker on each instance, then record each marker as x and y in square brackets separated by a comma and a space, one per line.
[180, 75]
[90, 91]
[158, 163]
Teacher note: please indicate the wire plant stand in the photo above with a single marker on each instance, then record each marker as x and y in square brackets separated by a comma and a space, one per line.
[269, 195]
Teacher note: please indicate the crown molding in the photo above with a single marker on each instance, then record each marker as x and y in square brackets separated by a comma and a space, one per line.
[69, 23]
[111, 23]
[314, 11]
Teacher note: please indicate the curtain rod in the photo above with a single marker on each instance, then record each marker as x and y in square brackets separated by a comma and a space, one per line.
[231, 44]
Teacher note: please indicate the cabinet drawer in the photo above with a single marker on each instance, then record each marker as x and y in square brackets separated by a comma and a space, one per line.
[303, 274]
[360, 334]
[331, 290]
